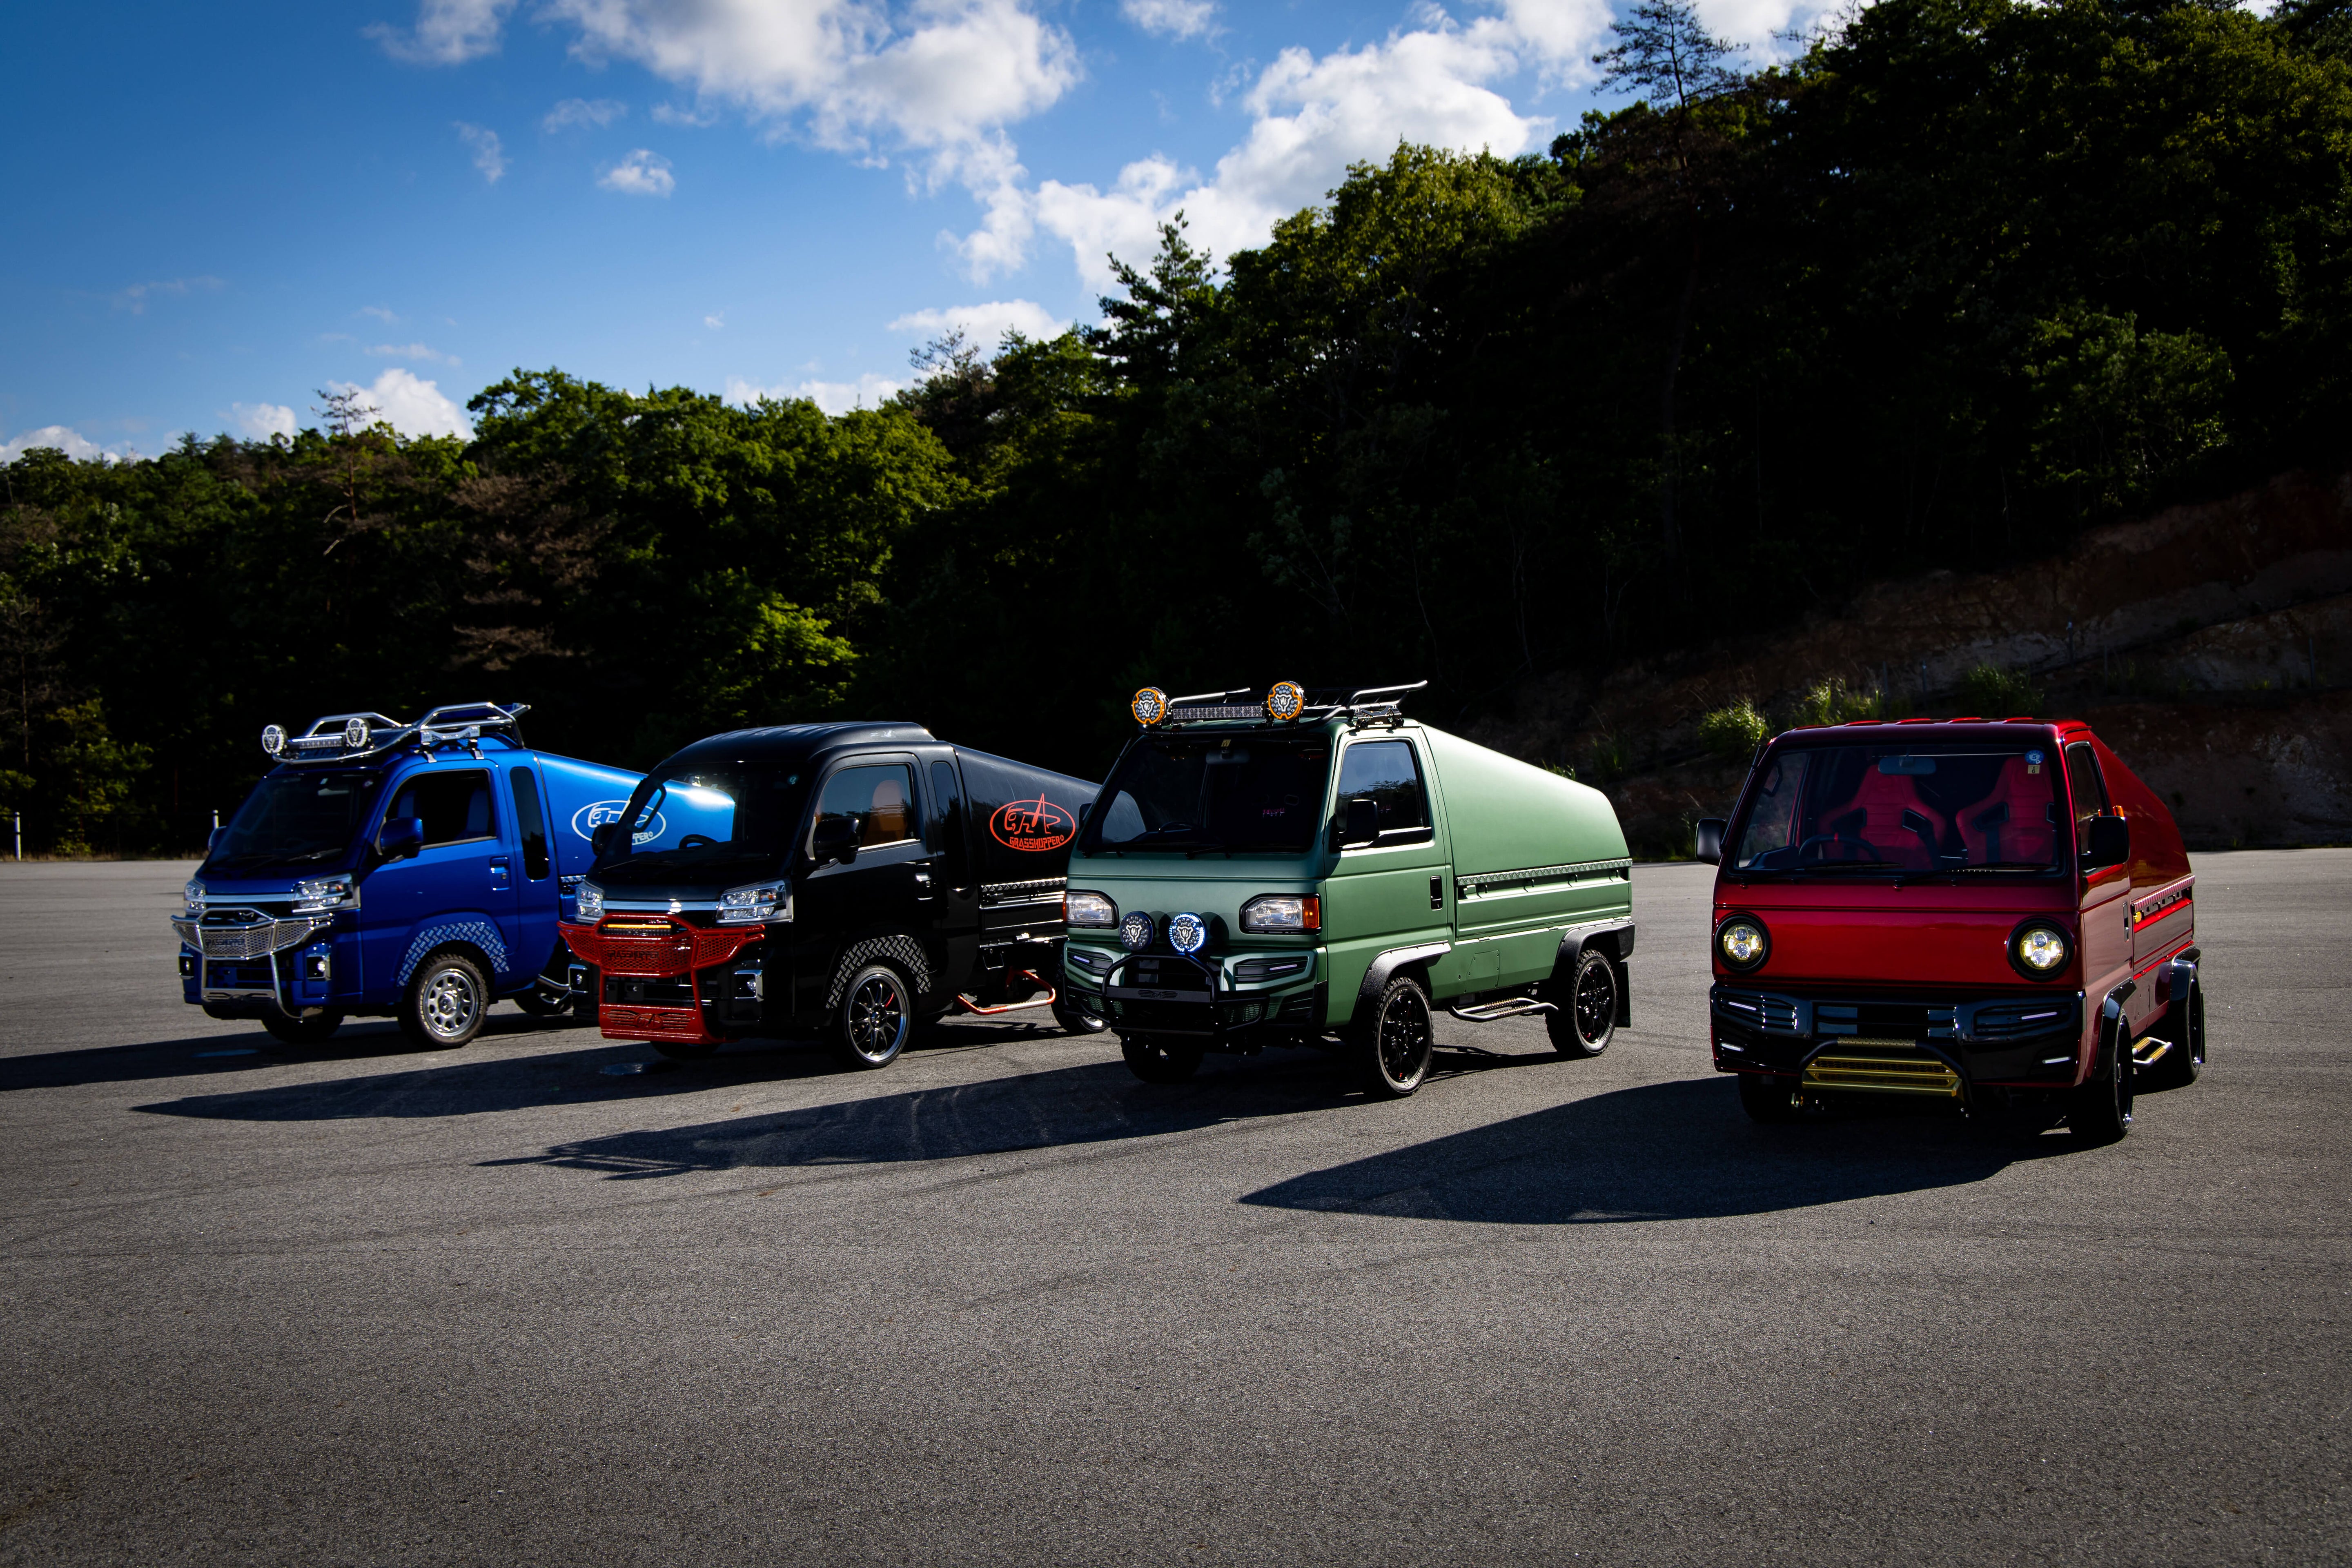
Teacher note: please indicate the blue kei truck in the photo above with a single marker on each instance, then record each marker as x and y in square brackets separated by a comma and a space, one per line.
[414, 869]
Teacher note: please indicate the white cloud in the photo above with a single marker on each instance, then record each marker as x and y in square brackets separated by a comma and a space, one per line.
[409, 405]
[715, 322]
[263, 420]
[448, 32]
[382, 313]
[984, 326]
[488, 156]
[575, 111]
[413, 351]
[1315, 117]
[135, 298]
[72, 443]
[694, 119]
[641, 173]
[1171, 18]
[868, 391]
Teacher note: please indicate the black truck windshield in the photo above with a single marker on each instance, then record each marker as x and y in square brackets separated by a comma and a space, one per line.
[305, 817]
[1212, 793]
[706, 823]
[1876, 809]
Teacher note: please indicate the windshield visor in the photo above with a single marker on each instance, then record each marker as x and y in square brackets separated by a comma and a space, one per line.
[1211, 794]
[707, 825]
[1867, 810]
[295, 818]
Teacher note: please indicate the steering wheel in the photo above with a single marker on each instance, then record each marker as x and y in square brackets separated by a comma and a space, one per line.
[1869, 851]
[698, 841]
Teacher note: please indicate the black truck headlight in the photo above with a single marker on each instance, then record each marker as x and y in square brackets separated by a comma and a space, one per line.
[1090, 909]
[2038, 949]
[754, 904]
[1743, 943]
[588, 902]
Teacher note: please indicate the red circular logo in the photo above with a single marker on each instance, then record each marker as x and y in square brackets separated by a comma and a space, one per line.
[1033, 826]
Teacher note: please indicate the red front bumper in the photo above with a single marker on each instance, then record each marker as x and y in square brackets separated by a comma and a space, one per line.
[655, 947]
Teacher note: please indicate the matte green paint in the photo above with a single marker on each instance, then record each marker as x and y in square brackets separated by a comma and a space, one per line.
[1491, 814]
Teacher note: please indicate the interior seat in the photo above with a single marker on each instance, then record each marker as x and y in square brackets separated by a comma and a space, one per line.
[1887, 813]
[2017, 820]
[888, 821]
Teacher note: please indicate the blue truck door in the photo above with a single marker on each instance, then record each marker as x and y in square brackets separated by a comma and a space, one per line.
[534, 874]
[461, 887]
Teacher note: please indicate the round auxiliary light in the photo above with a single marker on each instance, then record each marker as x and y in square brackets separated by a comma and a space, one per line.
[1134, 932]
[355, 734]
[1742, 942]
[1150, 705]
[273, 739]
[1187, 933]
[1287, 699]
[2038, 950]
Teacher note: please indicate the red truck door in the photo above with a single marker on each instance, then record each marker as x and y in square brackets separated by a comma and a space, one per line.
[2107, 894]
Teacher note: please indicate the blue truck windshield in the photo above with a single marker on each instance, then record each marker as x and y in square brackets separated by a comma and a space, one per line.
[1867, 810]
[295, 818]
[1179, 793]
[706, 824]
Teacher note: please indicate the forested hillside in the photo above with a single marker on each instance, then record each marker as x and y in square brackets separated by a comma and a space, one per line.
[1968, 279]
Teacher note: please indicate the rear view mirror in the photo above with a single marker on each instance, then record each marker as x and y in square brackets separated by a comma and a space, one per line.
[400, 837]
[1709, 845]
[601, 839]
[835, 839]
[2108, 843]
[1362, 823]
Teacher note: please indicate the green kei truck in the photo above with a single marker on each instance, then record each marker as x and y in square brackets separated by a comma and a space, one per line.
[1300, 868]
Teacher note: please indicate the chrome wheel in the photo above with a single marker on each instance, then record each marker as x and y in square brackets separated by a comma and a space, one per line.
[450, 1005]
[875, 1017]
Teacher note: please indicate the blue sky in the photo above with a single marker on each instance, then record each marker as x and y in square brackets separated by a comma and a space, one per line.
[218, 211]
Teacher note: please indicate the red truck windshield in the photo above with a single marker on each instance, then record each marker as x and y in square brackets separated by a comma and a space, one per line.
[1872, 809]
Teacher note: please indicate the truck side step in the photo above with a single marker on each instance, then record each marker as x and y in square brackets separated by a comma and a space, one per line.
[1508, 1007]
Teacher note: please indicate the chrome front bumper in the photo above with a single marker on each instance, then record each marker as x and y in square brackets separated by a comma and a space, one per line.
[246, 940]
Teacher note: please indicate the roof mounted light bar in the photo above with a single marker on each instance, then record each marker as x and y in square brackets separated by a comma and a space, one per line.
[351, 736]
[1285, 702]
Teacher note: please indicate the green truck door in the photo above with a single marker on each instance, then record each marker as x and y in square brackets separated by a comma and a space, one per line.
[1396, 892]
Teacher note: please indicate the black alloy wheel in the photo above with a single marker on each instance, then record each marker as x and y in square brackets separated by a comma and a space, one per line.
[1397, 1040]
[1155, 1059]
[304, 1031]
[445, 1000]
[2102, 1111]
[1583, 1023]
[1769, 1097]
[876, 1016]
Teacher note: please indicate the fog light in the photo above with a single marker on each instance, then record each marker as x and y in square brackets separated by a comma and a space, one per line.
[187, 963]
[317, 966]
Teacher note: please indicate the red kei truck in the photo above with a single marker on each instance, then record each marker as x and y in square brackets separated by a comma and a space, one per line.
[1998, 914]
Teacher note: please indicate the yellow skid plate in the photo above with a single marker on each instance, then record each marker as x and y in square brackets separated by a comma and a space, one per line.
[1881, 1066]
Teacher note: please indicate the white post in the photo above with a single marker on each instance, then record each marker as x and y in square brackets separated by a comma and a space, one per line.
[20, 835]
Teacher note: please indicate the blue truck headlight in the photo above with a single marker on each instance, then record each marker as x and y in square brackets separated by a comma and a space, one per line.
[755, 903]
[195, 894]
[588, 901]
[317, 895]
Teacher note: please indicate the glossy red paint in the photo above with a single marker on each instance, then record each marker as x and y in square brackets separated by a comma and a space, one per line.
[657, 947]
[1943, 940]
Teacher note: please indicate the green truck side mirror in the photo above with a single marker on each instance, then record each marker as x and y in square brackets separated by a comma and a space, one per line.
[1361, 823]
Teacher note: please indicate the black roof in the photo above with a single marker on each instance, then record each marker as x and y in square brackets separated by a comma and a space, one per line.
[791, 743]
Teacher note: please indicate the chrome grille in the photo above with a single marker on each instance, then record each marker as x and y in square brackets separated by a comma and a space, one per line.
[220, 935]
[1763, 1011]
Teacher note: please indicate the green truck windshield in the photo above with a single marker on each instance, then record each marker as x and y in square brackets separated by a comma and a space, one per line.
[1210, 792]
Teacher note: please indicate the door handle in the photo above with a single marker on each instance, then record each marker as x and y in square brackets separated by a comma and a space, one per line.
[501, 871]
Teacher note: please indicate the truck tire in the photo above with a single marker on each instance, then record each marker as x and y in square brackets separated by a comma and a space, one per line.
[446, 999]
[877, 1015]
[1587, 1016]
[1768, 1097]
[2101, 1110]
[2179, 1067]
[1395, 1040]
[307, 1031]
[1157, 1059]
[1074, 1022]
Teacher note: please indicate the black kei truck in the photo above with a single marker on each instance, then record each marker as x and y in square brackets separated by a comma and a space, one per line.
[844, 882]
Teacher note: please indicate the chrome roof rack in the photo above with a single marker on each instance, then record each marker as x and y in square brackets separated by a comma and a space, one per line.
[353, 737]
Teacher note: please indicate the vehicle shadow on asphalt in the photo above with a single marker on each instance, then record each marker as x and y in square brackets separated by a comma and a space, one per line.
[201, 1056]
[1682, 1150]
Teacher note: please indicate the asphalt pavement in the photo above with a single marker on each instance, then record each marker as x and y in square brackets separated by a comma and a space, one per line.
[550, 1299]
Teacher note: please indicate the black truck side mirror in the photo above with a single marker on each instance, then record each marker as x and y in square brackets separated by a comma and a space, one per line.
[400, 837]
[213, 841]
[835, 839]
[2108, 843]
[1709, 845]
[1360, 822]
[601, 838]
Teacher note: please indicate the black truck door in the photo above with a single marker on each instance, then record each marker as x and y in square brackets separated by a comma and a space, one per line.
[955, 889]
[887, 891]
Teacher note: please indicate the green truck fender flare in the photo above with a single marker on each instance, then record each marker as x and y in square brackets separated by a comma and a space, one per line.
[1383, 968]
[1614, 937]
